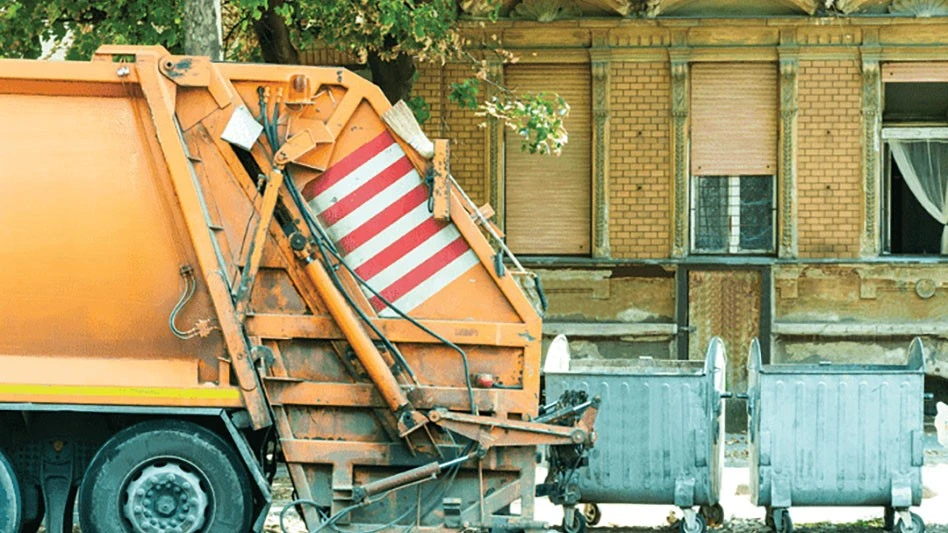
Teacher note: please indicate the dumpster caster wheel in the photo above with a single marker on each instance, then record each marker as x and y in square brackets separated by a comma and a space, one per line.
[576, 525]
[592, 514]
[700, 525]
[786, 525]
[11, 503]
[713, 514]
[918, 526]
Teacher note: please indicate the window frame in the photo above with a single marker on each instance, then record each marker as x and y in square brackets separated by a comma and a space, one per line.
[903, 132]
[733, 244]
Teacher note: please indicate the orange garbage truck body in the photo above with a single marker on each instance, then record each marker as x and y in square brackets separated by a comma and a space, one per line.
[212, 267]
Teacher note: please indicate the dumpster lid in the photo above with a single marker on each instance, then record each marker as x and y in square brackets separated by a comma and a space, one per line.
[559, 360]
[914, 364]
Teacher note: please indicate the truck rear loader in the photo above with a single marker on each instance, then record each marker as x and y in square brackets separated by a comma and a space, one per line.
[209, 268]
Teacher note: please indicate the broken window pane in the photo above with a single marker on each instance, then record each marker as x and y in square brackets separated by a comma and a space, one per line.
[711, 218]
[756, 213]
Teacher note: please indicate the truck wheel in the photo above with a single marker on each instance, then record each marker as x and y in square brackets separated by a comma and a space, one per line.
[11, 504]
[34, 510]
[165, 475]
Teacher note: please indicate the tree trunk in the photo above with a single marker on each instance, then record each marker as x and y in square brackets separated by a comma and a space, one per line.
[274, 37]
[202, 28]
[394, 77]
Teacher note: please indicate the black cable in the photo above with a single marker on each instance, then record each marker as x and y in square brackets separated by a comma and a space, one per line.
[323, 242]
[442, 485]
[320, 244]
[260, 182]
[269, 127]
[419, 325]
[307, 217]
[315, 229]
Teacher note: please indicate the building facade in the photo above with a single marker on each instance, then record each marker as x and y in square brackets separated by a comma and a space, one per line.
[774, 169]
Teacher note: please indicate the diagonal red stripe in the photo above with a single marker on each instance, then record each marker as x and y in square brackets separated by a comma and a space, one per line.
[387, 216]
[395, 251]
[346, 165]
[419, 274]
[366, 191]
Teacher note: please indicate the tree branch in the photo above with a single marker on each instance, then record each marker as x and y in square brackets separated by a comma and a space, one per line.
[274, 37]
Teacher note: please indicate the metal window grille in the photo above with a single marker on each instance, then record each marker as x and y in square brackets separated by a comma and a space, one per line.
[732, 214]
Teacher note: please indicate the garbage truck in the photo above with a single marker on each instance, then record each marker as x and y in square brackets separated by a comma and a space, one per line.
[210, 269]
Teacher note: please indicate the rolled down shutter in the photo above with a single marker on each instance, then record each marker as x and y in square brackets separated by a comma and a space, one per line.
[734, 119]
[915, 72]
[548, 198]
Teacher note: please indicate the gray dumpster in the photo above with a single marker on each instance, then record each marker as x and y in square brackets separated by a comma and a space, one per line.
[829, 434]
[660, 431]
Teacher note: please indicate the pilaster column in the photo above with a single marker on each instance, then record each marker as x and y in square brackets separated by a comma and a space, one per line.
[787, 170]
[871, 125]
[680, 116]
[494, 162]
[600, 160]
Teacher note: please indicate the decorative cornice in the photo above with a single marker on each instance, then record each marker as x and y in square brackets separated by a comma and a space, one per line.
[620, 7]
[679, 72]
[546, 10]
[807, 6]
[920, 8]
[788, 81]
[478, 8]
[853, 6]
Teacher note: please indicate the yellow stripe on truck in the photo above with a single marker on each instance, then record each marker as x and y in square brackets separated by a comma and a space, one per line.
[197, 396]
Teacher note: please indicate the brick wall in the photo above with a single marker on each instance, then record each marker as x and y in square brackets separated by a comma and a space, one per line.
[640, 174]
[461, 127]
[447, 121]
[829, 169]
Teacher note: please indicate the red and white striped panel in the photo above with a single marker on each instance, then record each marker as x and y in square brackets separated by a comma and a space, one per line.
[373, 205]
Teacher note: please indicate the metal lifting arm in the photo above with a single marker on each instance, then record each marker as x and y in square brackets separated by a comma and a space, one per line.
[408, 418]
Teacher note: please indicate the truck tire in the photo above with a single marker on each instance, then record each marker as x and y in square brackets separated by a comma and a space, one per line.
[11, 503]
[165, 475]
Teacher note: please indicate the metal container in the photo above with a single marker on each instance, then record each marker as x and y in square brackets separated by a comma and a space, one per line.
[830, 434]
[660, 428]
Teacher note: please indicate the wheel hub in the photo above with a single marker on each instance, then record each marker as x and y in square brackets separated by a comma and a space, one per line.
[164, 499]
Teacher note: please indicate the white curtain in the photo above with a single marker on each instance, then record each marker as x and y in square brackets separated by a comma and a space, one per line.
[924, 165]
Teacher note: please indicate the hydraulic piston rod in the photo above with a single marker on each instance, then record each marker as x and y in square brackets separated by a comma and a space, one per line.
[365, 350]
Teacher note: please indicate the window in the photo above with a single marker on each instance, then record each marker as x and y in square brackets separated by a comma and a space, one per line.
[915, 148]
[548, 200]
[732, 214]
[915, 198]
[733, 157]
